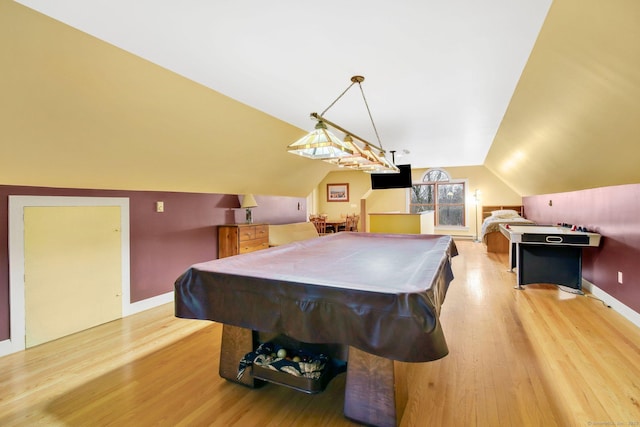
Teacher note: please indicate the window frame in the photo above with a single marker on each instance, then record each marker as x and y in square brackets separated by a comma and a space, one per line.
[464, 204]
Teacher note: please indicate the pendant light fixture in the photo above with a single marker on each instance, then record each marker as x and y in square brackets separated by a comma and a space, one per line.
[321, 144]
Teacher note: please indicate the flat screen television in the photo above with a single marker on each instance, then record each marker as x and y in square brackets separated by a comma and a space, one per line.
[380, 181]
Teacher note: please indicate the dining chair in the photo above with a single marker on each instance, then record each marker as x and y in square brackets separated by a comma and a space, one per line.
[321, 225]
[354, 225]
[348, 223]
[351, 223]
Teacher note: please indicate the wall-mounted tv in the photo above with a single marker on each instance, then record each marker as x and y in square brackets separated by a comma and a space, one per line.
[380, 181]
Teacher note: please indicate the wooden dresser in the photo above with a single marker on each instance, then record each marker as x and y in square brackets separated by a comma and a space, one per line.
[237, 239]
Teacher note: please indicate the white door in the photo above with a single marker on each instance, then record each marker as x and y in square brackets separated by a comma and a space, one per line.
[72, 269]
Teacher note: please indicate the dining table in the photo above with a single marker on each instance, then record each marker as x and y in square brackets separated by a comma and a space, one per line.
[334, 224]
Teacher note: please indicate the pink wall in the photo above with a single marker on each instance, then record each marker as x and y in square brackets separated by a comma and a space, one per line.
[613, 212]
[164, 244]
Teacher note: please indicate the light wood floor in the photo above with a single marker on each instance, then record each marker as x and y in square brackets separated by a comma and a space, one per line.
[538, 357]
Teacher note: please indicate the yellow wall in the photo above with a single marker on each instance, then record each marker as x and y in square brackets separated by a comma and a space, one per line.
[403, 223]
[391, 200]
[493, 191]
[574, 117]
[78, 112]
[359, 184]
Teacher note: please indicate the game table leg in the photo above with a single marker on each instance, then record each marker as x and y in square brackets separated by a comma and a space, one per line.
[236, 342]
[370, 389]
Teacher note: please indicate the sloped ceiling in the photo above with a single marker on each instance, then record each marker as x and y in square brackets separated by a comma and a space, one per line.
[574, 119]
[78, 112]
[437, 73]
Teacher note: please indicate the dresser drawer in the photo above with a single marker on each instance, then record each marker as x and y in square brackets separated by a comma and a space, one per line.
[261, 232]
[253, 245]
[242, 238]
[246, 233]
[253, 232]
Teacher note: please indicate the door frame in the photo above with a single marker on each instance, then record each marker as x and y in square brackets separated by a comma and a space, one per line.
[16, 254]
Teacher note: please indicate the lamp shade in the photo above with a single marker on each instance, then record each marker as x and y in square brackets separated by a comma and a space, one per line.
[248, 201]
[323, 145]
[320, 144]
[359, 157]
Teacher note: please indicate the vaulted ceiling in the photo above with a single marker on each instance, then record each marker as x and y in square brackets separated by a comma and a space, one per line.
[182, 95]
[437, 74]
[574, 119]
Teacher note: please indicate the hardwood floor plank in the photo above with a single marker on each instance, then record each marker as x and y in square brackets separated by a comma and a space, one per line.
[539, 357]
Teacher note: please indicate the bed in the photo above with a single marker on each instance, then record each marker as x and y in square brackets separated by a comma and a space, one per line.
[492, 217]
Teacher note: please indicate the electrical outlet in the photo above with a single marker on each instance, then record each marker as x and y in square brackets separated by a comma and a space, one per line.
[620, 277]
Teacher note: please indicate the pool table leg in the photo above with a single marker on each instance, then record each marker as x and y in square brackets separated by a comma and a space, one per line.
[236, 342]
[370, 389]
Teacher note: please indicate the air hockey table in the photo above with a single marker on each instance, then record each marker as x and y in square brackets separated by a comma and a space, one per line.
[547, 254]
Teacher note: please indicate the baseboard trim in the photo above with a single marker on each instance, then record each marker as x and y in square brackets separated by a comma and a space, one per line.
[148, 303]
[627, 312]
[6, 347]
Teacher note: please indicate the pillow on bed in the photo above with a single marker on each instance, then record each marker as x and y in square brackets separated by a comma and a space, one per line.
[505, 213]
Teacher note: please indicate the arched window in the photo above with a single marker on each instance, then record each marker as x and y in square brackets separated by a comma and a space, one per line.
[437, 192]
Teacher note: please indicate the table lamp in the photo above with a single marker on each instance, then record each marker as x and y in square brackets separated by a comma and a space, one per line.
[249, 202]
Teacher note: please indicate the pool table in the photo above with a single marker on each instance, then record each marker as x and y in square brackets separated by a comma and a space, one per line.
[372, 298]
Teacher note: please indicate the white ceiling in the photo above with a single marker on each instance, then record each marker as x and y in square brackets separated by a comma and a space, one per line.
[439, 74]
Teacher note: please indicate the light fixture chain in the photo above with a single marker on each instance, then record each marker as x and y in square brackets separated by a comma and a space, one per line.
[370, 116]
[338, 98]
